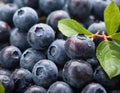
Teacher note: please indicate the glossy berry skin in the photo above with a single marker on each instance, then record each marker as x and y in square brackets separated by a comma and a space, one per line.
[7, 82]
[47, 6]
[9, 57]
[95, 27]
[71, 70]
[93, 88]
[79, 9]
[4, 32]
[29, 3]
[101, 77]
[79, 46]
[99, 7]
[35, 89]
[55, 16]
[24, 18]
[44, 72]
[22, 79]
[40, 36]
[56, 52]
[60, 87]
[30, 57]
[19, 39]
[7, 11]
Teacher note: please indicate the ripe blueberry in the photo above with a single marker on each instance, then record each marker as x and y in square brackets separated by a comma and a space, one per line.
[77, 73]
[40, 36]
[56, 52]
[79, 46]
[45, 72]
[24, 18]
[9, 57]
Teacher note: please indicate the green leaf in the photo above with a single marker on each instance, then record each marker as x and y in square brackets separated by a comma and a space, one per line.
[112, 18]
[116, 37]
[2, 89]
[70, 27]
[108, 55]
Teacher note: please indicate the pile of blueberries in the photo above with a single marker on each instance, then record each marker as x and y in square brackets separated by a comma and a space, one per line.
[35, 57]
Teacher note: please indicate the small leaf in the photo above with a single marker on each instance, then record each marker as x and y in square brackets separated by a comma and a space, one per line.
[116, 37]
[108, 55]
[71, 27]
[2, 89]
[112, 18]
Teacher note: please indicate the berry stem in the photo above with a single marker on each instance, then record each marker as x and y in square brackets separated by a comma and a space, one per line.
[98, 35]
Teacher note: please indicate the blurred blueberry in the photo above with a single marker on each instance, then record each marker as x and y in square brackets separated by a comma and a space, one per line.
[7, 11]
[47, 6]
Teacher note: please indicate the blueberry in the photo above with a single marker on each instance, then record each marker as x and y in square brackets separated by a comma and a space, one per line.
[47, 6]
[4, 32]
[56, 52]
[7, 83]
[22, 79]
[101, 77]
[77, 73]
[79, 9]
[24, 18]
[40, 36]
[7, 11]
[95, 27]
[99, 7]
[79, 46]
[45, 72]
[93, 88]
[29, 3]
[60, 87]
[19, 39]
[36, 89]
[30, 57]
[55, 16]
[9, 57]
